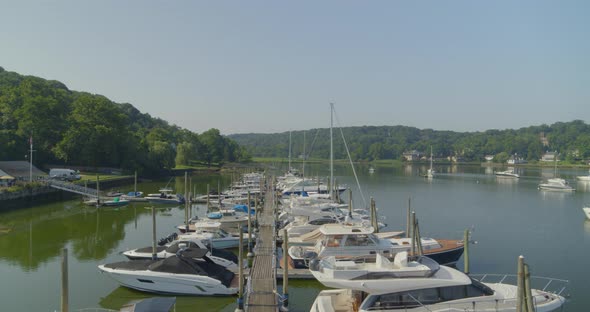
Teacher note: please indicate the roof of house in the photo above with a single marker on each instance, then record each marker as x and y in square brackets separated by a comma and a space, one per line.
[19, 168]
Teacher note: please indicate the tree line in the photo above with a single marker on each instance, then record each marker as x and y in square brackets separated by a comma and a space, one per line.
[78, 128]
[571, 140]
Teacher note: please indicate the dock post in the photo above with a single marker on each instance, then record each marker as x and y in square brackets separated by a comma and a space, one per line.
[135, 185]
[64, 280]
[97, 191]
[520, 285]
[413, 233]
[208, 197]
[285, 306]
[350, 203]
[408, 228]
[154, 248]
[185, 201]
[527, 290]
[240, 307]
[250, 254]
[374, 221]
[466, 251]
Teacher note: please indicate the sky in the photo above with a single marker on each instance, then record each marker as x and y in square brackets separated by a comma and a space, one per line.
[275, 66]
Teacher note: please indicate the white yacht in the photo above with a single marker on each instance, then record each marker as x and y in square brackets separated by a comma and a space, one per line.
[230, 219]
[556, 184]
[446, 290]
[587, 211]
[221, 257]
[507, 174]
[177, 275]
[354, 242]
[210, 231]
[350, 274]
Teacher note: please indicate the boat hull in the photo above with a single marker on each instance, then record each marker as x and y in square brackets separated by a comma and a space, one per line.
[173, 284]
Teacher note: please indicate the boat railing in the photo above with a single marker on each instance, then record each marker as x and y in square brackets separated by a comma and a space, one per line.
[547, 284]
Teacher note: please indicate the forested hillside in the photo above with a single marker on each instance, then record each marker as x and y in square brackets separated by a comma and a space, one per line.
[78, 128]
[570, 139]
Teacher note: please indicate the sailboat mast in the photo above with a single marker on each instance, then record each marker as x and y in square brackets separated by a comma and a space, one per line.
[289, 169]
[331, 152]
[430, 157]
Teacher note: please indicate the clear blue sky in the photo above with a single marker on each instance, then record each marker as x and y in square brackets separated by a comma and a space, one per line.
[273, 66]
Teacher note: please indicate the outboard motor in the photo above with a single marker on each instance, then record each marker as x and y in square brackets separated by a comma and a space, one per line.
[165, 240]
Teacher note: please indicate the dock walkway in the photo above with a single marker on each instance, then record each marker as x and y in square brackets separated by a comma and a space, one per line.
[261, 294]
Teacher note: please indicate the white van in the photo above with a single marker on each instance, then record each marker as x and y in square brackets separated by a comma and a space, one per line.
[64, 174]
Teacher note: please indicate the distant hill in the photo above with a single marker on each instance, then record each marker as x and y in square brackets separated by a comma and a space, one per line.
[570, 139]
[79, 128]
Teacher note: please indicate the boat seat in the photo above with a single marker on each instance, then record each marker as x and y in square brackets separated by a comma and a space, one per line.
[381, 261]
[401, 259]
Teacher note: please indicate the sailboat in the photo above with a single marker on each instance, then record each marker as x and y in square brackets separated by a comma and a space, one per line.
[430, 172]
[556, 184]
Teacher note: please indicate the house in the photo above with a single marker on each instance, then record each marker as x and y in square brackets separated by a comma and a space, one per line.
[6, 179]
[549, 156]
[412, 155]
[515, 160]
[21, 170]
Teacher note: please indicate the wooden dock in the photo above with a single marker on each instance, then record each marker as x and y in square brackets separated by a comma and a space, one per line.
[261, 289]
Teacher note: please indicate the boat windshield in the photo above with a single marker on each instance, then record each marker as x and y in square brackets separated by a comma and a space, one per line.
[420, 297]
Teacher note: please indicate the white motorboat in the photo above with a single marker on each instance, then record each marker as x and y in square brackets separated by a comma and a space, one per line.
[556, 184]
[584, 178]
[175, 275]
[587, 211]
[507, 174]
[165, 198]
[446, 290]
[212, 232]
[221, 257]
[354, 242]
[230, 219]
[357, 275]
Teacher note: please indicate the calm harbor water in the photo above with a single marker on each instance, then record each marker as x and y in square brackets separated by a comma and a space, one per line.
[508, 217]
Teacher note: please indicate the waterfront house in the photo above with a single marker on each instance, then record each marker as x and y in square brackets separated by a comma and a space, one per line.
[549, 156]
[515, 160]
[6, 179]
[412, 155]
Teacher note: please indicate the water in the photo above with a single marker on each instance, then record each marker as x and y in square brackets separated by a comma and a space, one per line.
[508, 218]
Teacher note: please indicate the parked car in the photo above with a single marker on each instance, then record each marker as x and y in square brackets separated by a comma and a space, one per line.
[64, 174]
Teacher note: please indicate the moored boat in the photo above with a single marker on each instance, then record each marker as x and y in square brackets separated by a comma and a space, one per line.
[177, 275]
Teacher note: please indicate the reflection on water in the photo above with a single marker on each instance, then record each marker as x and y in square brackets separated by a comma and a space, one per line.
[555, 195]
[583, 186]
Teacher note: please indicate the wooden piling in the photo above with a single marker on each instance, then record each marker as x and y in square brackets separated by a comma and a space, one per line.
[527, 290]
[466, 251]
[350, 202]
[186, 200]
[154, 248]
[408, 216]
[250, 254]
[240, 272]
[64, 281]
[285, 271]
[520, 285]
[208, 204]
